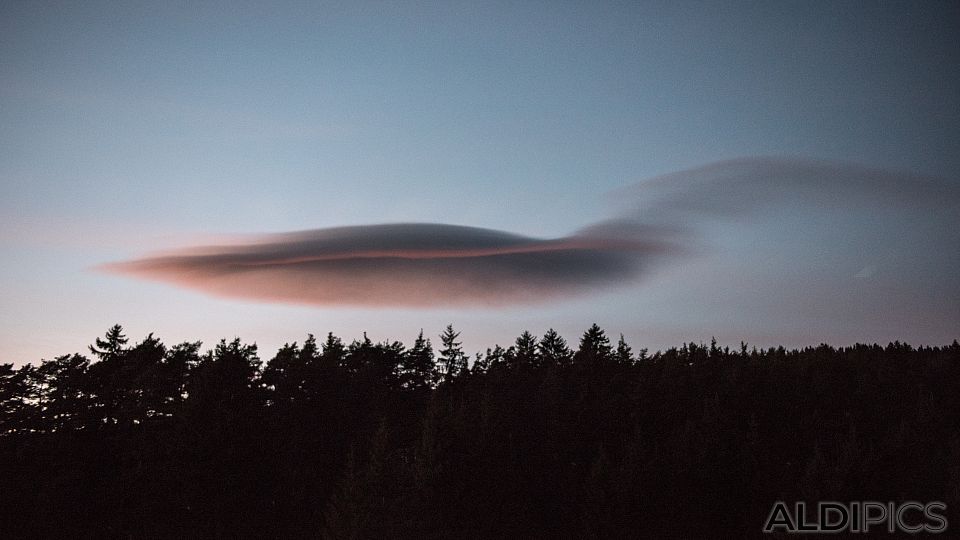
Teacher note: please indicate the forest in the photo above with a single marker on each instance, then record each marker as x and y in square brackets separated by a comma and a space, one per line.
[540, 439]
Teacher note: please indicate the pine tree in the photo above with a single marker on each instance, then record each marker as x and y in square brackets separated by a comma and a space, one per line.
[14, 389]
[106, 377]
[280, 374]
[291, 374]
[307, 369]
[179, 361]
[494, 359]
[64, 384]
[309, 351]
[553, 349]
[594, 347]
[525, 352]
[142, 380]
[225, 379]
[334, 352]
[624, 354]
[418, 368]
[453, 361]
[112, 346]
[360, 355]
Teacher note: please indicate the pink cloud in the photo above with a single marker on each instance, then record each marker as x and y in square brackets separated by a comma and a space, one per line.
[409, 265]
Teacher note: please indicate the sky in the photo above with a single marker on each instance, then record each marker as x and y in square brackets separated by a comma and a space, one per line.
[772, 172]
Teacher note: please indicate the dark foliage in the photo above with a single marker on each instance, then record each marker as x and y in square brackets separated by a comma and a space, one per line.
[373, 440]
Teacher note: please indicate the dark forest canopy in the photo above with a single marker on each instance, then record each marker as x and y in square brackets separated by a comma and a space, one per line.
[543, 438]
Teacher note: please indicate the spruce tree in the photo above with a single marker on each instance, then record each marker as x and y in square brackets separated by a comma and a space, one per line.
[112, 346]
[453, 361]
[525, 351]
[553, 349]
[594, 347]
[624, 354]
[418, 368]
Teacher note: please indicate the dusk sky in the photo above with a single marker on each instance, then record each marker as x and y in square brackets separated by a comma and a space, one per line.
[773, 172]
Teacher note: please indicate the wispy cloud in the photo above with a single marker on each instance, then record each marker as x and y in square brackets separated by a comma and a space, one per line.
[752, 186]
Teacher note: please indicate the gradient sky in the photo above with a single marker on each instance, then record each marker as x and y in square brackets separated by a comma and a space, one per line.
[127, 128]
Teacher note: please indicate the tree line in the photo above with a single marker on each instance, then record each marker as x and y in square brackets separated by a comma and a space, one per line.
[538, 439]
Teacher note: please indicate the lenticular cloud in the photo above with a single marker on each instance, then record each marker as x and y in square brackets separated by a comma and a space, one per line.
[403, 265]
[803, 231]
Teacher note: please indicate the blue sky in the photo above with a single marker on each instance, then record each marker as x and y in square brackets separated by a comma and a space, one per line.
[131, 127]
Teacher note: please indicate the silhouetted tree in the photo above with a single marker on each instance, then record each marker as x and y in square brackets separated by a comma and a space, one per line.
[452, 360]
[181, 359]
[224, 384]
[112, 345]
[64, 386]
[554, 350]
[624, 353]
[594, 347]
[493, 359]
[523, 354]
[13, 396]
[105, 378]
[334, 352]
[147, 387]
[418, 369]
[285, 375]
[359, 441]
